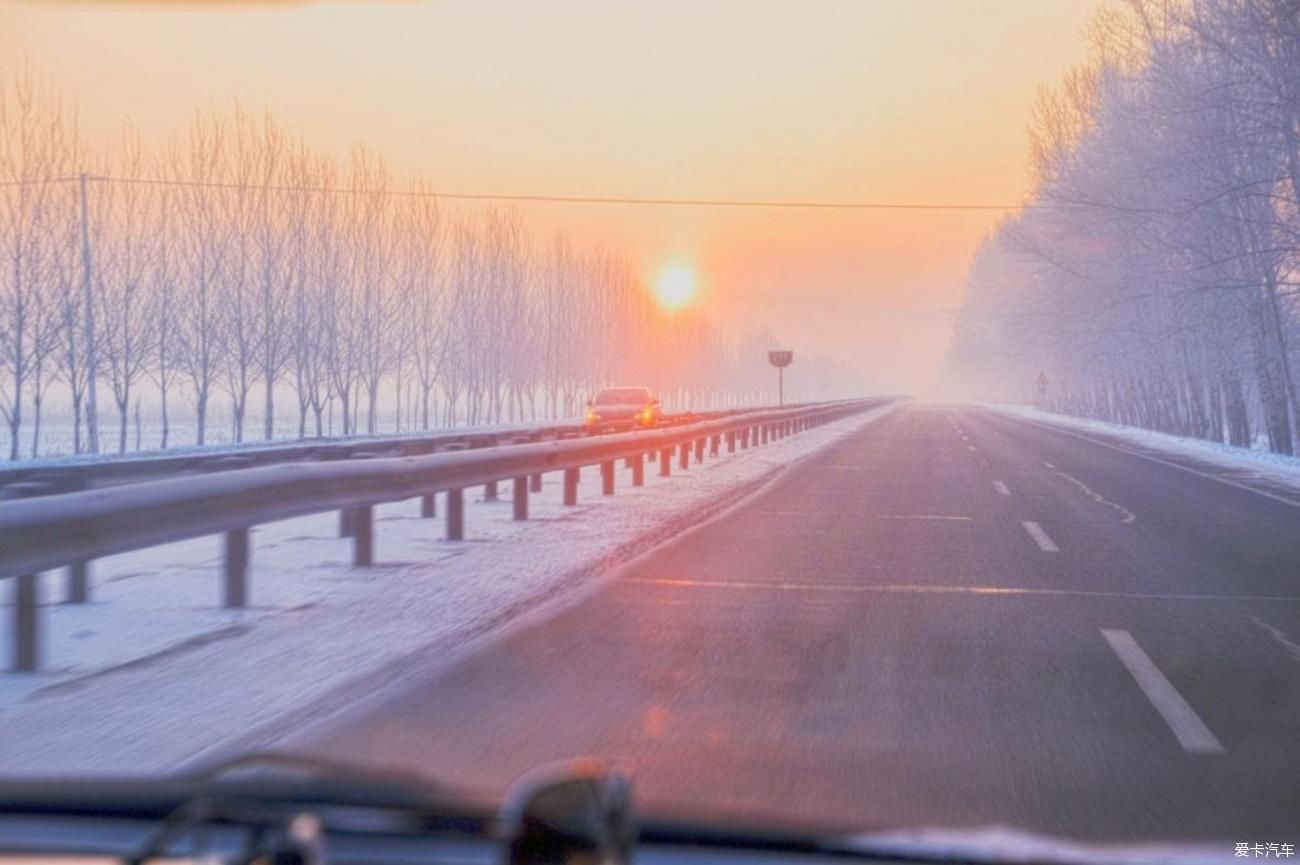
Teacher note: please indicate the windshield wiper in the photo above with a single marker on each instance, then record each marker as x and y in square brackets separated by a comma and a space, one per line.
[279, 799]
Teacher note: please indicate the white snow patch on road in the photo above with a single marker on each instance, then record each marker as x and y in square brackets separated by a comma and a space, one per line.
[153, 672]
[1246, 464]
[1125, 515]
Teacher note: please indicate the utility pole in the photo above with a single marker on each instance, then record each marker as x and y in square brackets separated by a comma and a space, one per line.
[92, 360]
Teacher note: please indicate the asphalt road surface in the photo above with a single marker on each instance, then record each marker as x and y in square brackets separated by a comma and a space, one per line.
[948, 618]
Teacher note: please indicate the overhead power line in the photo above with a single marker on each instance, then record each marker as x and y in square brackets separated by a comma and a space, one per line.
[549, 199]
[593, 199]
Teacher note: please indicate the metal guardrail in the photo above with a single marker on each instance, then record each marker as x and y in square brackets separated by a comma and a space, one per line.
[72, 529]
[77, 474]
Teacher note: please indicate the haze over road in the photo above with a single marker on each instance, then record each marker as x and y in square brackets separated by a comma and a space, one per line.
[948, 618]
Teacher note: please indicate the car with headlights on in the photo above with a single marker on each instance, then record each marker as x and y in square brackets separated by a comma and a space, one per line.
[622, 408]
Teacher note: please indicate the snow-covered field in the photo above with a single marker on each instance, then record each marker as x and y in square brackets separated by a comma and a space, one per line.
[153, 674]
[1244, 463]
[224, 444]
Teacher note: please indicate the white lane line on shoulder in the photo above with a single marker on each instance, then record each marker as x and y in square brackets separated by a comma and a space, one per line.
[1283, 499]
[1040, 537]
[1186, 725]
[1001, 488]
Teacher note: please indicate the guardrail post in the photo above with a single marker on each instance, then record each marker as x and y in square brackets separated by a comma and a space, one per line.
[26, 657]
[346, 528]
[235, 594]
[455, 515]
[638, 470]
[699, 450]
[363, 546]
[762, 434]
[535, 483]
[744, 438]
[78, 583]
[715, 444]
[665, 462]
[490, 491]
[607, 478]
[520, 498]
[684, 455]
[571, 486]
[428, 506]
[731, 441]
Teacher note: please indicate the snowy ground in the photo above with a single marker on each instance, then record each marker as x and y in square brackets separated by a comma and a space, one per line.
[1244, 464]
[221, 445]
[154, 674]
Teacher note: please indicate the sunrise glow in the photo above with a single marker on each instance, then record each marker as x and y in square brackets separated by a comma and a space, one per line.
[674, 288]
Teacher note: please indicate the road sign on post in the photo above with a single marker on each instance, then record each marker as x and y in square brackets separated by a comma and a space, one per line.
[780, 360]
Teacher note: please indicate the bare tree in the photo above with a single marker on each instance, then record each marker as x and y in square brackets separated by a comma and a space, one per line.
[35, 135]
[205, 231]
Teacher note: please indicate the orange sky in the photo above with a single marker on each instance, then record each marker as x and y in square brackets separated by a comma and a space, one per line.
[883, 100]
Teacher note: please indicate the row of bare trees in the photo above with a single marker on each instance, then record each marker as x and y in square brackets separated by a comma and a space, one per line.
[1153, 279]
[238, 269]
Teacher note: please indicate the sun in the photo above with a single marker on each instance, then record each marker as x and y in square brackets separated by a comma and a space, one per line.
[675, 286]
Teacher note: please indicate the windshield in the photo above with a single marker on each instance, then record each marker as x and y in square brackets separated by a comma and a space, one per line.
[961, 490]
[622, 396]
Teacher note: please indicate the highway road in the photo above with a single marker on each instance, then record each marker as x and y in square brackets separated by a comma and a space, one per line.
[948, 618]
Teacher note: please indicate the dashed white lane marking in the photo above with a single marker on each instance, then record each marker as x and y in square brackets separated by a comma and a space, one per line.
[1292, 648]
[1049, 465]
[1190, 730]
[1125, 515]
[972, 447]
[1040, 537]
[1283, 499]
[989, 591]
[1001, 488]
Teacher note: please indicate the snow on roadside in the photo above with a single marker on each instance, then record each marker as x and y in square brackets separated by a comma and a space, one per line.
[1245, 463]
[154, 674]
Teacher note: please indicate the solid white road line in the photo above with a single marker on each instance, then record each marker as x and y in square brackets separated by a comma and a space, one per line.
[990, 591]
[1040, 537]
[1001, 488]
[1191, 731]
[921, 517]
